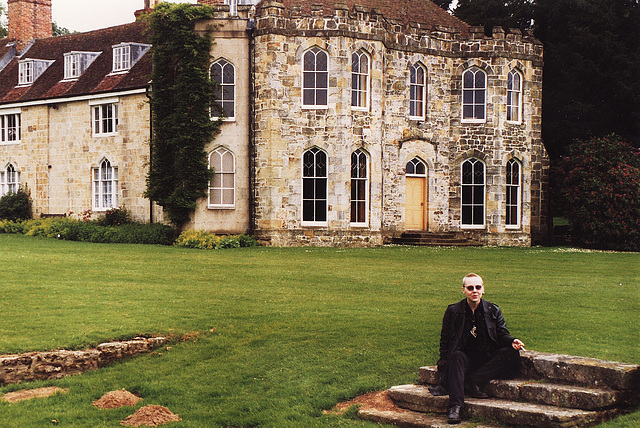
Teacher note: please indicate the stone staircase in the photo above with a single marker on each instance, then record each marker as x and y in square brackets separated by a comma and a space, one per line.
[554, 391]
[424, 238]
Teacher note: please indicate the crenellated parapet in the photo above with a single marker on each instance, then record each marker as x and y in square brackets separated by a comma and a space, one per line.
[272, 17]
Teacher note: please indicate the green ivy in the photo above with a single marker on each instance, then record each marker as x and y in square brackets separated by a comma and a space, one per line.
[181, 93]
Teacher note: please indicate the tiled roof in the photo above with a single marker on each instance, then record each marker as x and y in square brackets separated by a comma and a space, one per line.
[96, 78]
[404, 11]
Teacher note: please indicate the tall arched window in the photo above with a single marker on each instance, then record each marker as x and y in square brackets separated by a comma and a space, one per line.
[224, 95]
[474, 92]
[514, 96]
[359, 187]
[314, 186]
[473, 193]
[360, 79]
[315, 78]
[105, 186]
[222, 193]
[417, 91]
[513, 193]
[9, 180]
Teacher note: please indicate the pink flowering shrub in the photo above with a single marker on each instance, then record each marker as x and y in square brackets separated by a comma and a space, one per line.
[600, 182]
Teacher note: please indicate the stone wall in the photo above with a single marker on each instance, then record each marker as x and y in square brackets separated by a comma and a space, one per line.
[57, 364]
[57, 153]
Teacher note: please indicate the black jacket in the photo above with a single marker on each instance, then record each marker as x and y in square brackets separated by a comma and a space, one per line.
[453, 326]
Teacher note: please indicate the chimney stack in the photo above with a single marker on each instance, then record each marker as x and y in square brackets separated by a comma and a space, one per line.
[29, 20]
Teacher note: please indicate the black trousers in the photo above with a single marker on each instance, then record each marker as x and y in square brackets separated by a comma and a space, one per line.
[502, 364]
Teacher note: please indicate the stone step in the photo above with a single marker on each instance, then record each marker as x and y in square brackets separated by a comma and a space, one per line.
[409, 419]
[568, 369]
[577, 397]
[580, 370]
[418, 398]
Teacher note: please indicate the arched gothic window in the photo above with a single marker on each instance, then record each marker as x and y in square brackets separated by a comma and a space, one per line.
[474, 94]
[360, 79]
[417, 92]
[105, 186]
[473, 192]
[224, 95]
[314, 186]
[315, 78]
[359, 187]
[514, 96]
[222, 184]
[513, 193]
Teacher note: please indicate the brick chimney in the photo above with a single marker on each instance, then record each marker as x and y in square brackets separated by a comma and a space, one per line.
[29, 20]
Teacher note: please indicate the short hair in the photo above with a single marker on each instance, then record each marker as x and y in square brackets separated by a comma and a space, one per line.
[472, 275]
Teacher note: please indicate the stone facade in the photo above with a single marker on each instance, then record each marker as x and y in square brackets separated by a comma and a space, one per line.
[384, 131]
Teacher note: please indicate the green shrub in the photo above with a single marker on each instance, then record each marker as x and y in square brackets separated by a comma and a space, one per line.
[115, 217]
[601, 193]
[16, 205]
[91, 231]
[9, 226]
[210, 241]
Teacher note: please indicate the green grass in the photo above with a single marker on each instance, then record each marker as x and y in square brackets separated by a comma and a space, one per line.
[296, 329]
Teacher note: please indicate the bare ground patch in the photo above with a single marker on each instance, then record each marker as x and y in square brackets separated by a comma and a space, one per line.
[28, 394]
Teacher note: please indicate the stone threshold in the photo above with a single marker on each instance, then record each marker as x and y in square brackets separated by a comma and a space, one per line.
[31, 366]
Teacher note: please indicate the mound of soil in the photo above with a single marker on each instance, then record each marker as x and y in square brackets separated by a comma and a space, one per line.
[150, 416]
[115, 399]
[28, 394]
[378, 400]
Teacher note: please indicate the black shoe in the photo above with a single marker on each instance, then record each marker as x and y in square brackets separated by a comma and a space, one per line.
[438, 391]
[454, 415]
[475, 391]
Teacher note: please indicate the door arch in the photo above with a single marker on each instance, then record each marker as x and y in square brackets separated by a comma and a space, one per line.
[415, 209]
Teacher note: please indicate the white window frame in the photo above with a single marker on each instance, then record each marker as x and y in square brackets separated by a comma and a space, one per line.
[514, 96]
[310, 176]
[413, 167]
[225, 88]
[473, 186]
[320, 78]
[417, 92]
[104, 186]
[513, 189]
[359, 184]
[360, 80]
[9, 180]
[102, 125]
[220, 179]
[75, 63]
[470, 94]
[10, 126]
[121, 58]
[30, 69]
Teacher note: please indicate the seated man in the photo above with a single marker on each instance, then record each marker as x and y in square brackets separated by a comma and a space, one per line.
[475, 347]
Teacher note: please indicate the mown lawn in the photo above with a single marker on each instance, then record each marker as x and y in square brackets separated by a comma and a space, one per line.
[286, 333]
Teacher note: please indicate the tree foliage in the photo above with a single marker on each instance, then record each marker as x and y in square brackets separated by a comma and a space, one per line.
[496, 13]
[591, 80]
[601, 192]
[180, 98]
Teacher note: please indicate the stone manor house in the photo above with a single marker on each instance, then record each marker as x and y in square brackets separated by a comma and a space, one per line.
[346, 122]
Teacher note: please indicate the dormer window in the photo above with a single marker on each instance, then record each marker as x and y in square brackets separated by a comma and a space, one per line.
[75, 63]
[30, 69]
[125, 55]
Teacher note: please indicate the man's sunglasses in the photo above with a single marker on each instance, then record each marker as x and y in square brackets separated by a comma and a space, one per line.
[477, 287]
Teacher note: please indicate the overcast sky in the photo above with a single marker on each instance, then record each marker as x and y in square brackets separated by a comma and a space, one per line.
[86, 15]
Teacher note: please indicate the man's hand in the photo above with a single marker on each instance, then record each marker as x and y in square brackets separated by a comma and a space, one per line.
[517, 345]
